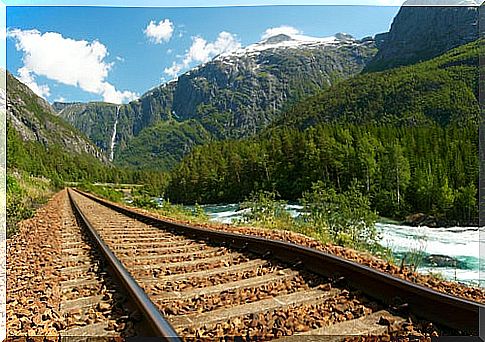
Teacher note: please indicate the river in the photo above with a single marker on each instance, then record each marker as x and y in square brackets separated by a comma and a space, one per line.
[460, 243]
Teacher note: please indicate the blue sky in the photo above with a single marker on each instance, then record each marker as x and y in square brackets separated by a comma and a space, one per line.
[117, 54]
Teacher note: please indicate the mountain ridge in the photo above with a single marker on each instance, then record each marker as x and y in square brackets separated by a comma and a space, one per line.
[443, 91]
[232, 96]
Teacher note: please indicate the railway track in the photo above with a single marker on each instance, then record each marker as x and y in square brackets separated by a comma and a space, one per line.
[193, 282]
[93, 304]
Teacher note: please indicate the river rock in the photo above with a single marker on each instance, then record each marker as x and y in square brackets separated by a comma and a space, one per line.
[420, 219]
[438, 260]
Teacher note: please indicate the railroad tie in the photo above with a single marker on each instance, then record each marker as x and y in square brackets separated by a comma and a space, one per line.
[198, 253]
[248, 265]
[82, 333]
[221, 315]
[217, 258]
[250, 282]
[363, 326]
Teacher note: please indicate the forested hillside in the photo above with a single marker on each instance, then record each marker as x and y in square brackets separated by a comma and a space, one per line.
[41, 144]
[431, 169]
[443, 90]
[35, 121]
[161, 146]
[408, 136]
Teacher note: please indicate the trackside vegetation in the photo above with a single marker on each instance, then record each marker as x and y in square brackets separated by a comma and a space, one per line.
[338, 219]
[24, 194]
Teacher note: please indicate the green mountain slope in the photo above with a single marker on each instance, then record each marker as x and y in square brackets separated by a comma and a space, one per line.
[36, 121]
[419, 33]
[39, 143]
[42, 144]
[443, 90]
[162, 145]
[97, 119]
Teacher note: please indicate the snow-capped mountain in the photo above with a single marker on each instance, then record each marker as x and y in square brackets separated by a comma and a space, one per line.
[288, 41]
[234, 95]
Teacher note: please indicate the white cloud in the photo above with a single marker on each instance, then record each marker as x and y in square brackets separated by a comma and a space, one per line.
[73, 62]
[26, 77]
[284, 29]
[201, 51]
[174, 70]
[60, 99]
[161, 32]
[110, 94]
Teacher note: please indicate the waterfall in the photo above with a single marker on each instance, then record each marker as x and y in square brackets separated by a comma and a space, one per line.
[113, 136]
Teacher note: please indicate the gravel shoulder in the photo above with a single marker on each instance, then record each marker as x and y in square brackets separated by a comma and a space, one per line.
[33, 273]
[56, 283]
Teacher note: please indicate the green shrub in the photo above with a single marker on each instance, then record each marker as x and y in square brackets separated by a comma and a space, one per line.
[200, 213]
[145, 201]
[263, 209]
[346, 217]
[104, 191]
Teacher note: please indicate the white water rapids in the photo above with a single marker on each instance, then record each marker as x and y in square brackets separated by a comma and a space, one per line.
[460, 243]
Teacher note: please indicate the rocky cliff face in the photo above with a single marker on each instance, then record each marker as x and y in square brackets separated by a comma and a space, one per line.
[97, 119]
[249, 87]
[234, 95]
[35, 120]
[420, 33]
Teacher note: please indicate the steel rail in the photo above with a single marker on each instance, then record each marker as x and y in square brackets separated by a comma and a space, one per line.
[160, 326]
[426, 303]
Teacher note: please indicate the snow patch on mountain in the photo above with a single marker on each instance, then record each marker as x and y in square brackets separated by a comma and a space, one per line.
[289, 41]
[279, 41]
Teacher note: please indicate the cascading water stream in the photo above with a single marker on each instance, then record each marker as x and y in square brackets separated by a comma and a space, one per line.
[113, 136]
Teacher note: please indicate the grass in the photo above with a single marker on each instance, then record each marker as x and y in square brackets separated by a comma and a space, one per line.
[437, 275]
[179, 212]
[24, 195]
[140, 198]
[105, 191]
